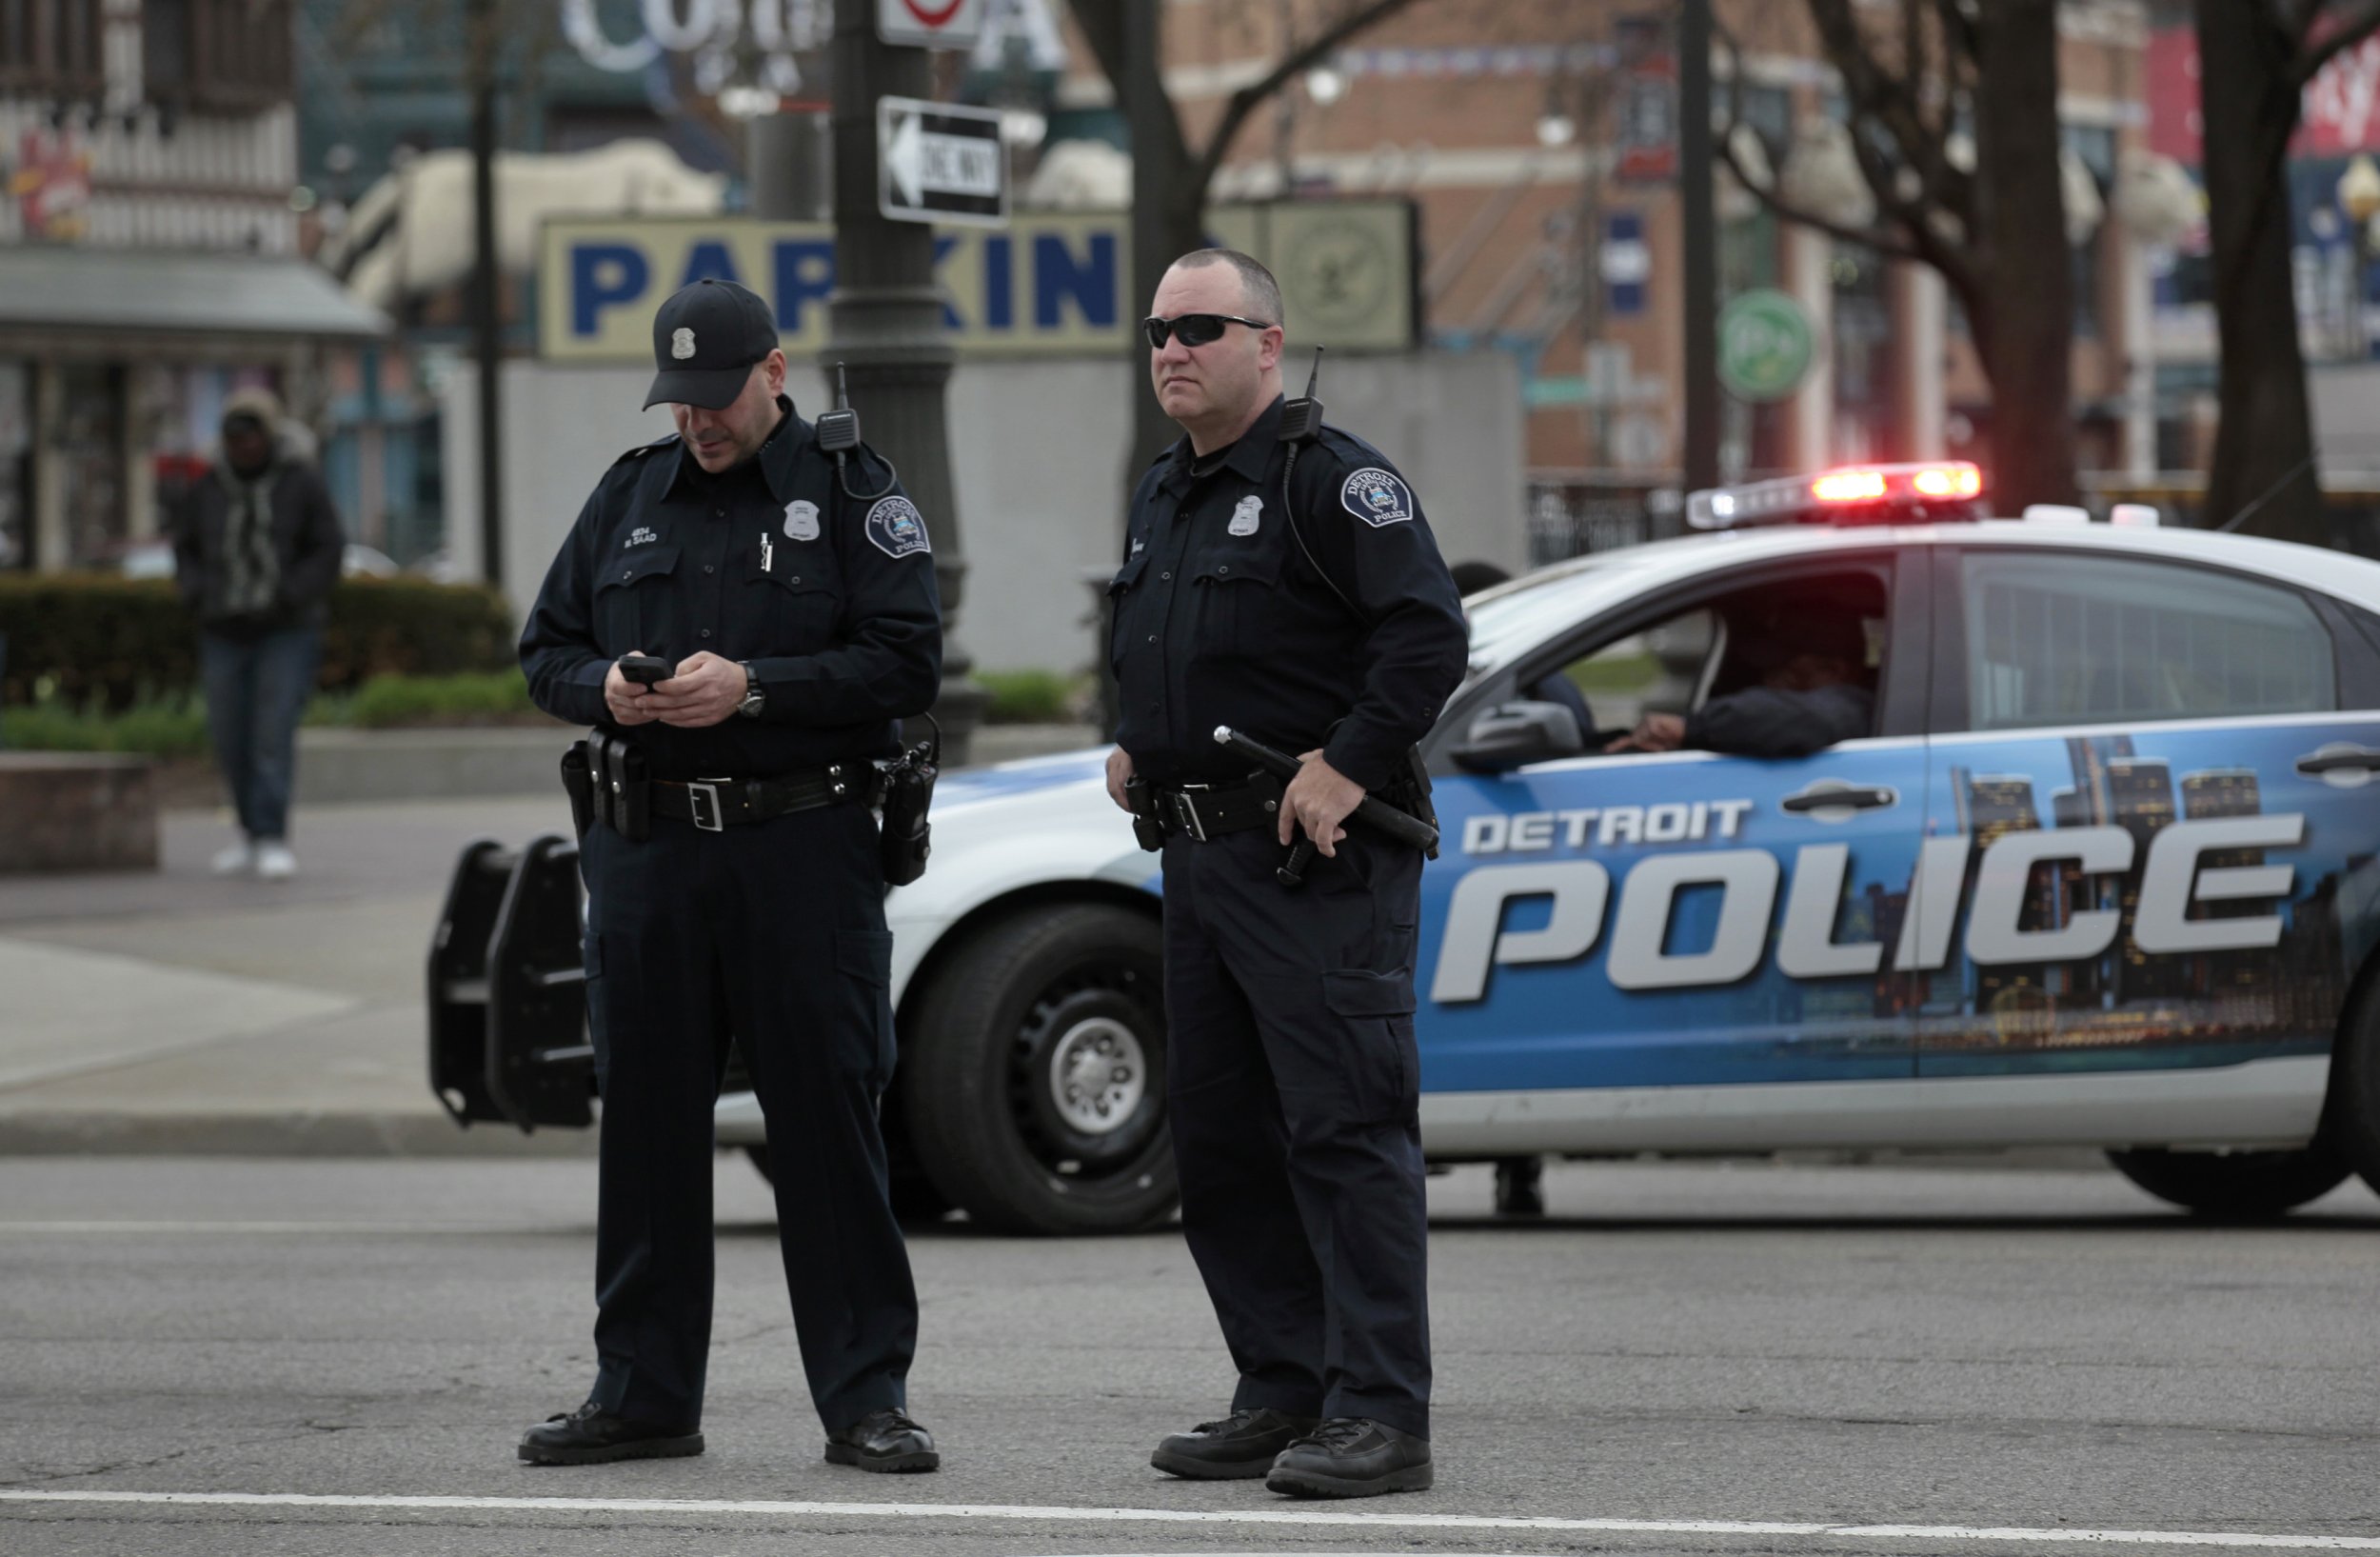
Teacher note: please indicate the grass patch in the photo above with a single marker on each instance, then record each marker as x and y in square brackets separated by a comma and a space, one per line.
[152, 727]
[175, 725]
[476, 697]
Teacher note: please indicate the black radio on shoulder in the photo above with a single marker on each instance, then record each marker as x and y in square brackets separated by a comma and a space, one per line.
[907, 837]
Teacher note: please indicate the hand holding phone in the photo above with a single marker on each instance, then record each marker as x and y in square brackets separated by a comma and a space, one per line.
[644, 670]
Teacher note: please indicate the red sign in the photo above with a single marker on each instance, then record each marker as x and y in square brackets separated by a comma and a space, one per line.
[1647, 107]
[52, 183]
[2339, 114]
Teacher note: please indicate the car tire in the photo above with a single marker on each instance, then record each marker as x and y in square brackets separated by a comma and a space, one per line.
[914, 1200]
[2234, 1186]
[2350, 1117]
[1014, 1025]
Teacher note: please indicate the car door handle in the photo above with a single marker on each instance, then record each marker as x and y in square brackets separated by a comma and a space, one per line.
[2339, 759]
[1856, 797]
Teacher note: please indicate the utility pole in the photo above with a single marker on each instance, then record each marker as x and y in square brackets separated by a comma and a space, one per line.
[1701, 242]
[486, 327]
[885, 325]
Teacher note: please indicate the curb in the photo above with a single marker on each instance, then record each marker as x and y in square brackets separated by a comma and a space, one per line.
[96, 1133]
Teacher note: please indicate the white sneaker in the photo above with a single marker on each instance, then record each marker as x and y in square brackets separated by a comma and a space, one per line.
[238, 860]
[274, 862]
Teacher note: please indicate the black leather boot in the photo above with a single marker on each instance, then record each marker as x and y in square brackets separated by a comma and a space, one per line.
[1351, 1457]
[591, 1435]
[1240, 1447]
[885, 1439]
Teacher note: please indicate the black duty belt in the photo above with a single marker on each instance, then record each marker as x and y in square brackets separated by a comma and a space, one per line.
[1209, 810]
[716, 804]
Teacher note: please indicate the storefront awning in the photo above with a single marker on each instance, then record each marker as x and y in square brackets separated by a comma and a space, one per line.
[132, 291]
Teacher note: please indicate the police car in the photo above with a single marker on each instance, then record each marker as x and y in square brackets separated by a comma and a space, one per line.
[2104, 871]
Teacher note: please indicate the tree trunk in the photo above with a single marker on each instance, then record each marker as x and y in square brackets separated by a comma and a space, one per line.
[2248, 101]
[2025, 333]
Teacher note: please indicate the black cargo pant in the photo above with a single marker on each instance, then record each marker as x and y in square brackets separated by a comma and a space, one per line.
[774, 933]
[1292, 1086]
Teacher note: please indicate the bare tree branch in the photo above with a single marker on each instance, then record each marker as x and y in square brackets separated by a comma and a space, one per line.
[1246, 99]
[2358, 25]
[1102, 24]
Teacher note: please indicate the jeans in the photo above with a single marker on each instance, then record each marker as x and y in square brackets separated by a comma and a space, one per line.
[255, 692]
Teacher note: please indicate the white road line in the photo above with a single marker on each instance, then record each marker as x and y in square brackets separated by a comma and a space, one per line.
[2238, 1539]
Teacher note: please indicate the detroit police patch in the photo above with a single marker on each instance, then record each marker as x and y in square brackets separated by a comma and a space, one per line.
[1375, 497]
[897, 528]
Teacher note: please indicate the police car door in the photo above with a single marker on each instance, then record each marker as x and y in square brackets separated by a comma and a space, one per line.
[1630, 931]
[2154, 778]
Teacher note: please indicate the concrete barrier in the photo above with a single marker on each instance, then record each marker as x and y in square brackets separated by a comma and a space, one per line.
[76, 810]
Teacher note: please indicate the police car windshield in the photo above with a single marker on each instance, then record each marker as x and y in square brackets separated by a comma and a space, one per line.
[1498, 614]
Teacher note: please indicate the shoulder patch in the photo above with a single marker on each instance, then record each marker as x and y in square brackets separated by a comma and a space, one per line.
[1376, 496]
[895, 527]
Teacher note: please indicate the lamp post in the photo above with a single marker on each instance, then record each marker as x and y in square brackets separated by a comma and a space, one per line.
[885, 323]
[2359, 200]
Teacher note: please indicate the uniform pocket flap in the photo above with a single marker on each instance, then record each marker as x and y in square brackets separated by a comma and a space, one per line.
[1128, 575]
[1245, 567]
[865, 955]
[808, 583]
[642, 562]
[1353, 993]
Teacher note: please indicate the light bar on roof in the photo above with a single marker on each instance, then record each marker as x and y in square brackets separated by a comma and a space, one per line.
[1850, 495]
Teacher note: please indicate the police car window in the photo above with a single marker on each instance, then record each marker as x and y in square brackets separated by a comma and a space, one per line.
[2067, 640]
[1663, 666]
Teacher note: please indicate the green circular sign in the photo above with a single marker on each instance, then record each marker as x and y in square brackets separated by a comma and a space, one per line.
[1765, 344]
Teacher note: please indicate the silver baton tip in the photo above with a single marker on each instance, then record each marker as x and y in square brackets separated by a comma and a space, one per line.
[1222, 735]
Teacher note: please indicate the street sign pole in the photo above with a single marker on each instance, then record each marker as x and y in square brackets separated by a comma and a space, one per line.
[886, 325]
[1701, 247]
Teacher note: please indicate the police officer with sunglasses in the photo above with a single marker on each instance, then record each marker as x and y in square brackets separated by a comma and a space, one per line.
[1280, 578]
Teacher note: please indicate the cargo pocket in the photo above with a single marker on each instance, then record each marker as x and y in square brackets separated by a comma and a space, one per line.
[863, 958]
[1385, 1067]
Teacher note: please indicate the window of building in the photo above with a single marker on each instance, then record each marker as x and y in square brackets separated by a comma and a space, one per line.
[17, 473]
[2065, 640]
[227, 54]
[2096, 145]
[50, 47]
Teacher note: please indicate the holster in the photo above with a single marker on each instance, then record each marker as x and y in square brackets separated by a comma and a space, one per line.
[623, 785]
[1146, 829]
[1409, 792]
[578, 781]
[906, 837]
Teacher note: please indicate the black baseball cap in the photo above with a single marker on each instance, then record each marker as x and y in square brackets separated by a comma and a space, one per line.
[706, 339]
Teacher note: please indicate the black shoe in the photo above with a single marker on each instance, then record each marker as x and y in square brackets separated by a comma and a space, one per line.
[591, 1435]
[885, 1439]
[1516, 1187]
[1240, 1447]
[1351, 1457]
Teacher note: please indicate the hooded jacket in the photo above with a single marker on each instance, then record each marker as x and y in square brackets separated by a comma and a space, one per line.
[283, 580]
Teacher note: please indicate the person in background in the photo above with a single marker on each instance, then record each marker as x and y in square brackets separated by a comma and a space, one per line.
[1812, 694]
[256, 549]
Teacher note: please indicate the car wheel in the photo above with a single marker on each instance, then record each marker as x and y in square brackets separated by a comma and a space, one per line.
[1034, 1073]
[2234, 1186]
[914, 1200]
[2350, 1118]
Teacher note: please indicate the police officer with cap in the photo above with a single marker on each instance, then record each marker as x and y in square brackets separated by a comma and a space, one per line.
[798, 621]
[1306, 605]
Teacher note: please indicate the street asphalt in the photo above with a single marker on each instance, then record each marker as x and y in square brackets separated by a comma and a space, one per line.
[1682, 1359]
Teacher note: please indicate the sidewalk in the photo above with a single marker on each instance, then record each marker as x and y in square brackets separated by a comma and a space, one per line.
[180, 1013]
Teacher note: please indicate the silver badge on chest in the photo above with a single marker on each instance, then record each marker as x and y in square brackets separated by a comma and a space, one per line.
[1243, 518]
[802, 520]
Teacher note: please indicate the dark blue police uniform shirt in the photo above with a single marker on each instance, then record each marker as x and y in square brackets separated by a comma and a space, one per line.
[832, 600]
[1219, 619]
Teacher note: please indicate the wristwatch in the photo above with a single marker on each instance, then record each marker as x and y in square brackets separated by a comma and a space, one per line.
[753, 696]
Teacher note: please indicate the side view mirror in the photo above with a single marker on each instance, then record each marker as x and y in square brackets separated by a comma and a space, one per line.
[1510, 734]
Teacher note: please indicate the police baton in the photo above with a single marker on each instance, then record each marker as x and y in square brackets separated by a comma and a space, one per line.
[1378, 814]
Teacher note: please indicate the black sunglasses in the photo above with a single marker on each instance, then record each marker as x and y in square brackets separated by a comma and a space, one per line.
[1195, 328]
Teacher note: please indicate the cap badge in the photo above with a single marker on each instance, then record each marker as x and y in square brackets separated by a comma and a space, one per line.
[682, 344]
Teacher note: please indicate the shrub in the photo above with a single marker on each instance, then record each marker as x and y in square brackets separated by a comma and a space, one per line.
[82, 638]
[155, 726]
[1028, 697]
[490, 697]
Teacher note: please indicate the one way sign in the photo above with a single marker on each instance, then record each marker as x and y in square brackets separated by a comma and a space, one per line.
[937, 162]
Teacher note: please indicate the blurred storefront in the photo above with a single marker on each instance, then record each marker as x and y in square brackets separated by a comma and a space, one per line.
[149, 260]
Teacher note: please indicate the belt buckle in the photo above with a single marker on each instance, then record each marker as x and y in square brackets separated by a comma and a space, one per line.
[1186, 815]
[702, 794]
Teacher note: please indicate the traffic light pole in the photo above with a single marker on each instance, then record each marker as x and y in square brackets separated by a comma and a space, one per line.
[884, 326]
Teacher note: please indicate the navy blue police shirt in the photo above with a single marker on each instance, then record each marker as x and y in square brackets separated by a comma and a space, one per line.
[1221, 619]
[830, 599]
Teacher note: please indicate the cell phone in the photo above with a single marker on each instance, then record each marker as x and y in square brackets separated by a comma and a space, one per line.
[644, 670]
